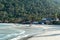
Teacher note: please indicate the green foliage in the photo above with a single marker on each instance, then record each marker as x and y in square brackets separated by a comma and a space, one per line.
[1, 6]
[21, 10]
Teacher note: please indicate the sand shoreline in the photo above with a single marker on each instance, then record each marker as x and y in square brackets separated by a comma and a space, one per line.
[50, 33]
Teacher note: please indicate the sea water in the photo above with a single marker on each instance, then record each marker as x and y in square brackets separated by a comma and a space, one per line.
[7, 31]
[11, 31]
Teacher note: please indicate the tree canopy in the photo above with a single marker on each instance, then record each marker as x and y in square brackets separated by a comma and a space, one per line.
[22, 10]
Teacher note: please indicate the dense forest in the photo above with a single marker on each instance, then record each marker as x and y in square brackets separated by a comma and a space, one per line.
[15, 11]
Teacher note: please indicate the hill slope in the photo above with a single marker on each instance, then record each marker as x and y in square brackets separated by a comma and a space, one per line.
[21, 10]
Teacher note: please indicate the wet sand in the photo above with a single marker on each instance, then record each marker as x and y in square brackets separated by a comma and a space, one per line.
[48, 35]
[51, 33]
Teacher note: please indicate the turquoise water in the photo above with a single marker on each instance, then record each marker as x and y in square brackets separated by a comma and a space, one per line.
[8, 32]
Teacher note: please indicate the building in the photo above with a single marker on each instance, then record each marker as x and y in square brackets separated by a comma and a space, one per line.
[46, 21]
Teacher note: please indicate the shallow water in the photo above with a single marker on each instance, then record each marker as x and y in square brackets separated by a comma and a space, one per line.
[8, 31]
[6, 34]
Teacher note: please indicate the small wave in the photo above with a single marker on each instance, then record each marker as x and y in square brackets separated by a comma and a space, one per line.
[11, 36]
[7, 34]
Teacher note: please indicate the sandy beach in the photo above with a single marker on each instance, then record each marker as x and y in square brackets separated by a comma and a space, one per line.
[48, 35]
[45, 38]
[33, 32]
[52, 35]
[51, 32]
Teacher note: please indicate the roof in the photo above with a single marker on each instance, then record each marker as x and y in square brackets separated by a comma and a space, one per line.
[49, 19]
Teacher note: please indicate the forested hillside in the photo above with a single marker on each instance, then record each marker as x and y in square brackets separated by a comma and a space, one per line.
[27, 10]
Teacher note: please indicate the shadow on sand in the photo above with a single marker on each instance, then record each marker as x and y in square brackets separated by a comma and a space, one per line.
[26, 38]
